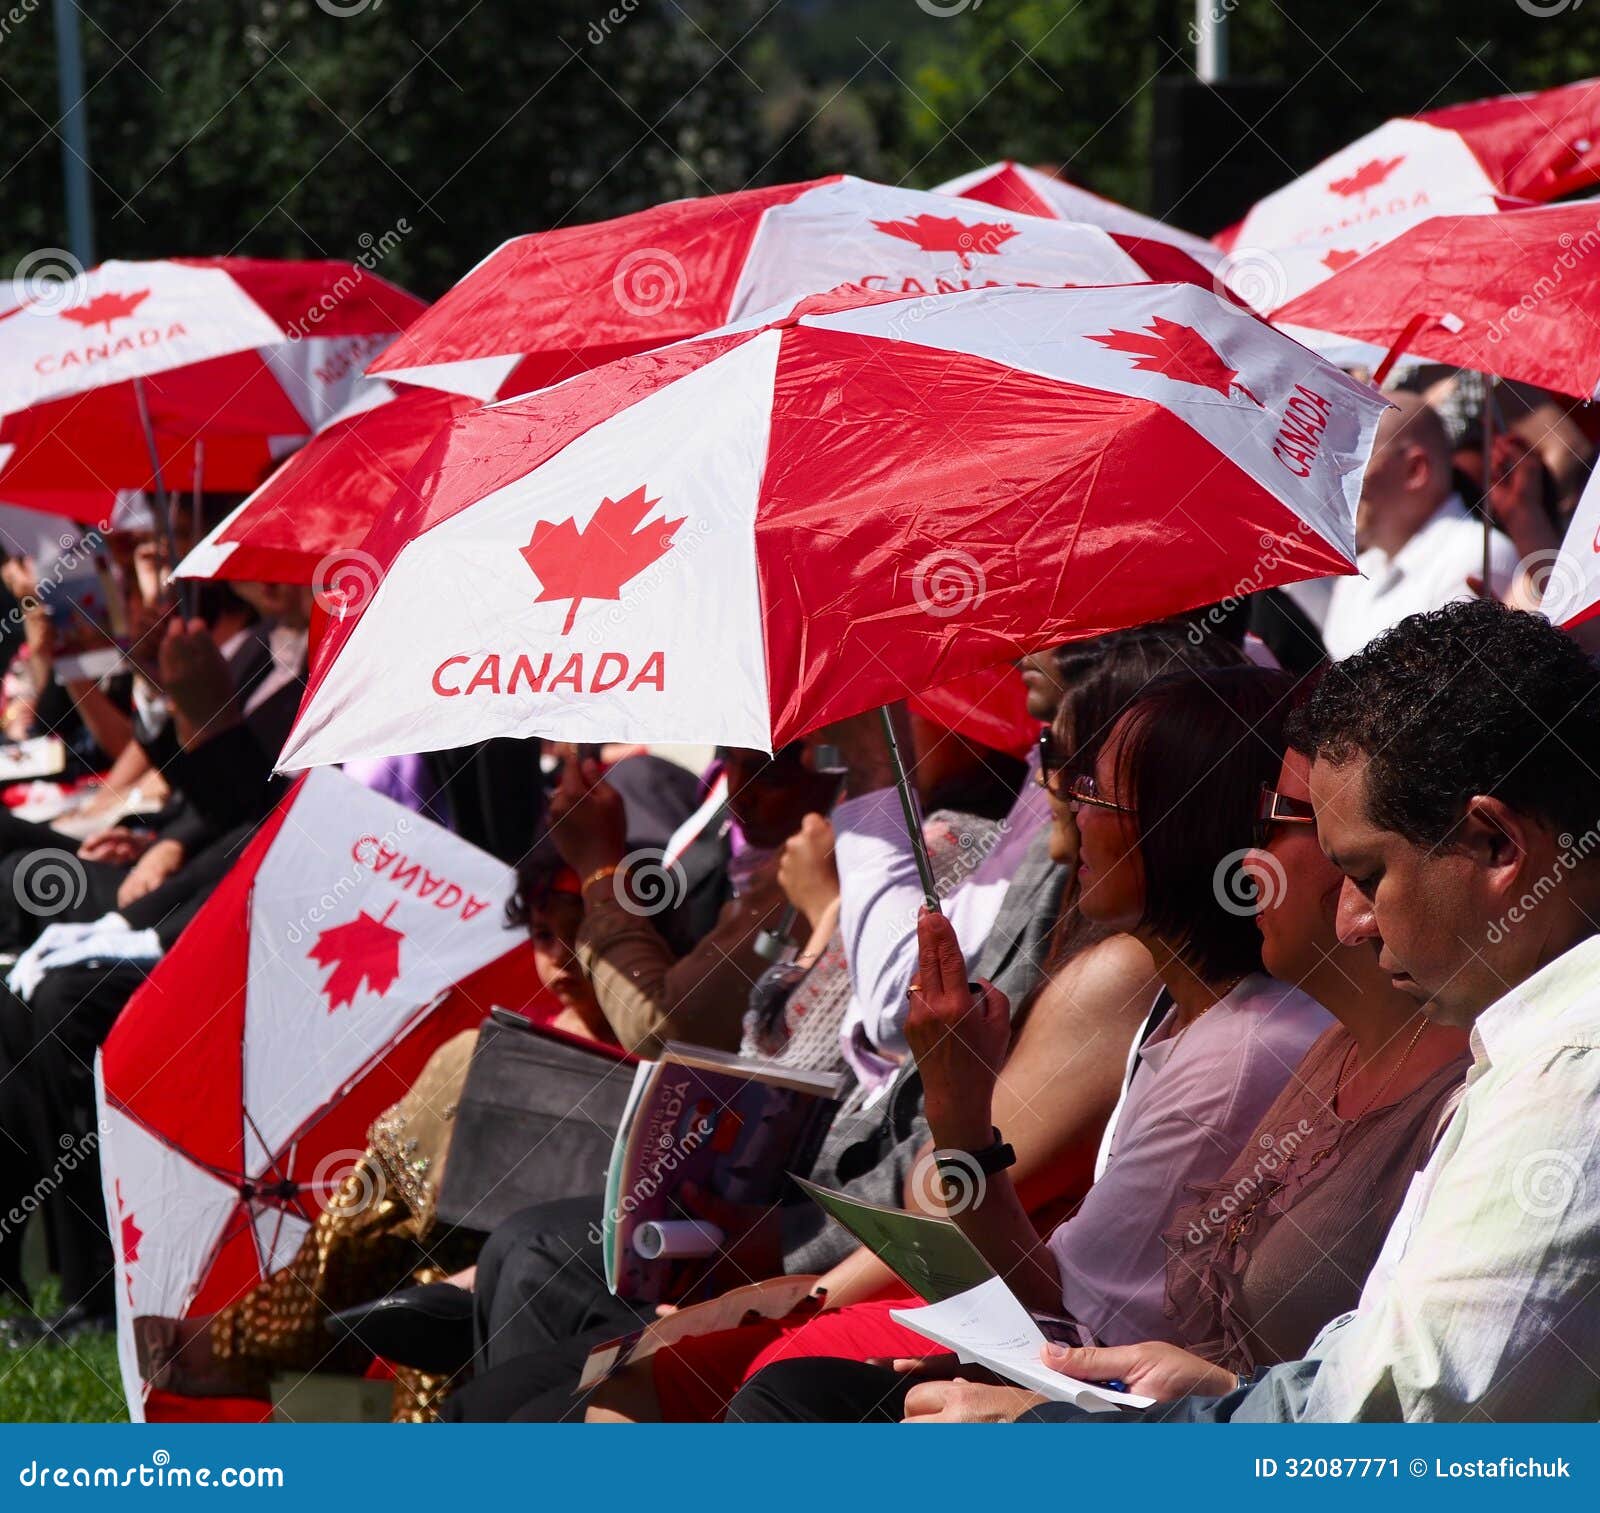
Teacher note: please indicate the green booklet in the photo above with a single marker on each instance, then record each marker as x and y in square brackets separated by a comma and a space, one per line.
[931, 1256]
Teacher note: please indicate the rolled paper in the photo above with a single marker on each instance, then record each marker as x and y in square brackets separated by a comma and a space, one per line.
[671, 1238]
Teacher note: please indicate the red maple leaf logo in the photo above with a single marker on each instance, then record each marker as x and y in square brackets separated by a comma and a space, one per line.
[105, 308]
[1337, 258]
[130, 1236]
[1367, 176]
[362, 950]
[594, 563]
[944, 233]
[1178, 352]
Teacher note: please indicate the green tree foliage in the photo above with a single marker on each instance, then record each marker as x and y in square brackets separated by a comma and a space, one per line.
[1072, 83]
[273, 127]
[318, 127]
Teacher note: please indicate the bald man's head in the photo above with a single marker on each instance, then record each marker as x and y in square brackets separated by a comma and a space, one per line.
[1409, 476]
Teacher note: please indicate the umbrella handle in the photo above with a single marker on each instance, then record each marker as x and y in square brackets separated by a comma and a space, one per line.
[774, 945]
[908, 803]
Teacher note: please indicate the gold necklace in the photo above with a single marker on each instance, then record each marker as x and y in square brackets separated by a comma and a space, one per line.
[1244, 1221]
[1346, 1077]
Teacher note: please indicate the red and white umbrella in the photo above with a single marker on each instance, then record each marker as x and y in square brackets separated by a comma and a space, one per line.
[740, 538]
[1569, 581]
[237, 1085]
[1531, 147]
[1515, 295]
[1031, 191]
[305, 523]
[233, 359]
[546, 306]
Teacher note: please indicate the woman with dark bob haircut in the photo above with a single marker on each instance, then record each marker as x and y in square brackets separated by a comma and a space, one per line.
[1164, 789]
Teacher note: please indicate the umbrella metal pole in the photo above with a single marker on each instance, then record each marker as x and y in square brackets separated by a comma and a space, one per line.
[1487, 426]
[163, 501]
[908, 802]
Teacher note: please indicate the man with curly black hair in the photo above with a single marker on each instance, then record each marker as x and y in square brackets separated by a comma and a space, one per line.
[1456, 778]
[1456, 782]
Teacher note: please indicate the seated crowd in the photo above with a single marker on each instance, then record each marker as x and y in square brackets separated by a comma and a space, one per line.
[1255, 1017]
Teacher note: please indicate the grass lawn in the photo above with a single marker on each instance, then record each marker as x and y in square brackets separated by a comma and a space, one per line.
[77, 1383]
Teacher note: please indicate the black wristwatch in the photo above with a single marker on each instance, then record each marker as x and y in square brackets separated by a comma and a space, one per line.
[961, 1173]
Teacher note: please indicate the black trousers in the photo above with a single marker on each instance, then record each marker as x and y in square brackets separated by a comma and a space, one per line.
[540, 1305]
[821, 1390]
[42, 882]
[541, 1282]
[47, 1113]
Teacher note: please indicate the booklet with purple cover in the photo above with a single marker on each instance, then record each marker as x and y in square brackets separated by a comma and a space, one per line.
[734, 1128]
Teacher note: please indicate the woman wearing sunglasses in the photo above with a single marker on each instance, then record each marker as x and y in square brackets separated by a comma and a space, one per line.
[1164, 812]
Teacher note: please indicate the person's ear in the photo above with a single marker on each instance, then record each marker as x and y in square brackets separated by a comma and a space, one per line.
[1496, 838]
[1417, 467]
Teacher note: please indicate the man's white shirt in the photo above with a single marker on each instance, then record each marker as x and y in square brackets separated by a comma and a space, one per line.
[1428, 572]
[1485, 1300]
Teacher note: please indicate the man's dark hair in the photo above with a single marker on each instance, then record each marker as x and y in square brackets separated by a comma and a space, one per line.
[1196, 750]
[1470, 699]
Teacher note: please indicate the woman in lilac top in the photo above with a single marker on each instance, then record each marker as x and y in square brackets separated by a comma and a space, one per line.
[1165, 809]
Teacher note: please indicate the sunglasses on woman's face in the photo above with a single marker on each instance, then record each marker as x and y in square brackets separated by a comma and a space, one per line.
[1274, 809]
[1070, 788]
[1085, 793]
[1052, 763]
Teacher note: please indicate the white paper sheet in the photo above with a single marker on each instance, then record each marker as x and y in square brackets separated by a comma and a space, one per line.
[987, 1326]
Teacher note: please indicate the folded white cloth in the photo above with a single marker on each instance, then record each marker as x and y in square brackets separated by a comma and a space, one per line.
[108, 938]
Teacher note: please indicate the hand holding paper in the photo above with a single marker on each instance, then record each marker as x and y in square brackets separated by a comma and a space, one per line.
[989, 1327]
